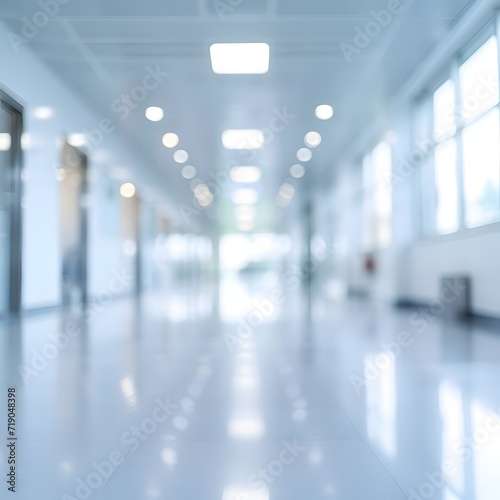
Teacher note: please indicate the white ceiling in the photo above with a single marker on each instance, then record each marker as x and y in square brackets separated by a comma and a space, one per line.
[102, 48]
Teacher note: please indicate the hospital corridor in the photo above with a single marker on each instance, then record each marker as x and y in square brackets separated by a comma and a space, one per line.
[249, 249]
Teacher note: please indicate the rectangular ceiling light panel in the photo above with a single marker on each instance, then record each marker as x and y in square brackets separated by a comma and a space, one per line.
[240, 58]
[243, 139]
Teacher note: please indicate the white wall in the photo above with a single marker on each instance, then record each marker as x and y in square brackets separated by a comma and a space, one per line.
[27, 79]
[474, 253]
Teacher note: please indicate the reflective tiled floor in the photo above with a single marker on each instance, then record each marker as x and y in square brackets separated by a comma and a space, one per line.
[227, 395]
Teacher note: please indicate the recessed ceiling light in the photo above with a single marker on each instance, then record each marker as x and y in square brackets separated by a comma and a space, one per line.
[312, 139]
[43, 112]
[127, 190]
[194, 184]
[245, 196]
[245, 174]
[287, 191]
[77, 140]
[243, 139]
[200, 189]
[203, 195]
[324, 112]
[181, 156]
[297, 171]
[206, 201]
[304, 154]
[154, 113]
[188, 172]
[281, 201]
[170, 140]
[240, 58]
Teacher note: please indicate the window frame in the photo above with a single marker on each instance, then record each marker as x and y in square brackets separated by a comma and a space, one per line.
[427, 228]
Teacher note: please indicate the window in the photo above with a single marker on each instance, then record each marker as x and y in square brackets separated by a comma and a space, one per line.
[446, 186]
[481, 156]
[445, 159]
[445, 124]
[377, 168]
[480, 138]
[479, 81]
[461, 185]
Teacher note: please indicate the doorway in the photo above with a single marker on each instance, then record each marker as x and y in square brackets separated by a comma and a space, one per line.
[73, 229]
[10, 205]
[130, 213]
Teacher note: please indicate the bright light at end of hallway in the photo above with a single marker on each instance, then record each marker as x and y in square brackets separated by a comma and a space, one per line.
[127, 190]
[154, 113]
[245, 212]
[324, 112]
[240, 58]
[246, 225]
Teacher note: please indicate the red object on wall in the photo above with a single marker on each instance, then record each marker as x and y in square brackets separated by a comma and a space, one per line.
[369, 264]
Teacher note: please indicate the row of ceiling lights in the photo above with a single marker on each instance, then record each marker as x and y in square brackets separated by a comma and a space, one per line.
[312, 140]
[171, 140]
[245, 199]
[229, 58]
[243, 58]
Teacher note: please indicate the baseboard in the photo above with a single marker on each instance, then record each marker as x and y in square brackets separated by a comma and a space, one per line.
[406, 303]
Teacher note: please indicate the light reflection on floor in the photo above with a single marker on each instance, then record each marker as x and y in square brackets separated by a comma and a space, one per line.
[273, 416]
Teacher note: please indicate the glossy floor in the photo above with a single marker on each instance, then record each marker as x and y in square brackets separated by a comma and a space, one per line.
[251, 393]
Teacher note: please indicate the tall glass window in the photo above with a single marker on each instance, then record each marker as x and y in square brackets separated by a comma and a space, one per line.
[479, 81]
[481, 156]
[479, 97]
[446, 186]
[445, 162]
[461, 186]
[377, 168]
[445, 122]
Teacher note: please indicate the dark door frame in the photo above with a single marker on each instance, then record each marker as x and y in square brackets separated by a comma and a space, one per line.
[15, 216]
